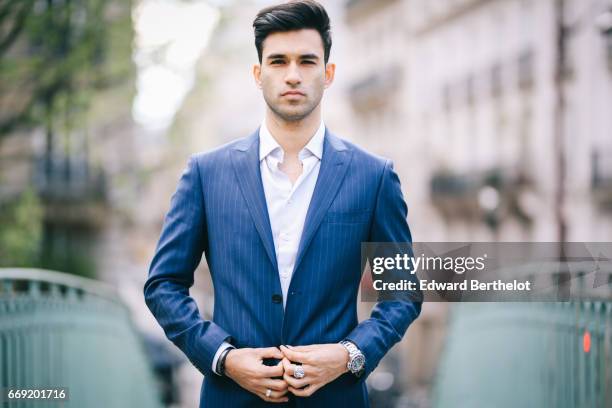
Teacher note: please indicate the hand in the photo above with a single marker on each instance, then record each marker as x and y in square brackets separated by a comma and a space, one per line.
[245, 366]
[322, 363]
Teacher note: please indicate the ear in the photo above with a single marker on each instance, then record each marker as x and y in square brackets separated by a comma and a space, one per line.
[330, 71]
[257, 75]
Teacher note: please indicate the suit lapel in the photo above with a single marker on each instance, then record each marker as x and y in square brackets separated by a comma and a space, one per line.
[334, 163]
[245, 159]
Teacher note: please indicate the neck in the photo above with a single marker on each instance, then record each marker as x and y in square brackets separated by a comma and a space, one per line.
[294, 135]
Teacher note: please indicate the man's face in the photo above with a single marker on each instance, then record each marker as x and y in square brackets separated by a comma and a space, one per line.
[293, 74]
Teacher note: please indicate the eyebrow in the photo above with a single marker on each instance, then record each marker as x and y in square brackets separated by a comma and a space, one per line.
[303, 56]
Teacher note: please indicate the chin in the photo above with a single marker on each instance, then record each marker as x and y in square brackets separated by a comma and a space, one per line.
[293, 115]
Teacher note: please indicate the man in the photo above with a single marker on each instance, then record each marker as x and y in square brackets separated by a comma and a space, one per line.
[280, 216]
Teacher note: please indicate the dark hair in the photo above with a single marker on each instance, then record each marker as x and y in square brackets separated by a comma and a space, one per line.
[294, 15]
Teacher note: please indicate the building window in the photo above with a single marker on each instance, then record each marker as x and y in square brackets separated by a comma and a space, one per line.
[525, 69]
[496, 80]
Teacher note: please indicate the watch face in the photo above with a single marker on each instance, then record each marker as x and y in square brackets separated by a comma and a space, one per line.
[357, 363]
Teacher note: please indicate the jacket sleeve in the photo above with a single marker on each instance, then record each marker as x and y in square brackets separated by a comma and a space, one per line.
[171, 274]
[389, 319]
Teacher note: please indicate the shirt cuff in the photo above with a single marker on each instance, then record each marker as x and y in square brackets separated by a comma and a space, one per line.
[220, 350]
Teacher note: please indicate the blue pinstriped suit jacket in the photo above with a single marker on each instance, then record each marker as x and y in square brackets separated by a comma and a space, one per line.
[219, 209]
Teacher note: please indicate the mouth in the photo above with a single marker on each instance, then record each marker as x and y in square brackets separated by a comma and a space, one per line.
[292, 93]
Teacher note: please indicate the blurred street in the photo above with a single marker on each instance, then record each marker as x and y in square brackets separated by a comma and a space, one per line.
[496, 114]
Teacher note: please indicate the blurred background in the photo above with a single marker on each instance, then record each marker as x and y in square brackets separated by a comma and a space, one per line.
[496, 113]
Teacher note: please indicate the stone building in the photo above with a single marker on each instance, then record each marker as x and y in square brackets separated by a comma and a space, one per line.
[493, 136]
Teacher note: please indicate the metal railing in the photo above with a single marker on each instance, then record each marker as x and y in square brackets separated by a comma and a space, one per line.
[58, 330]
[556, 354]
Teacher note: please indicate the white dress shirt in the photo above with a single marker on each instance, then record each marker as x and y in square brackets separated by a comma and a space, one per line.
[287, 203]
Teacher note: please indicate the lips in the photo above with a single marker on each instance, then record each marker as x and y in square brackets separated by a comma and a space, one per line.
[292, 93]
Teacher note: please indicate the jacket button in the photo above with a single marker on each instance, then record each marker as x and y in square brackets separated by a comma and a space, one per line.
[276, 298]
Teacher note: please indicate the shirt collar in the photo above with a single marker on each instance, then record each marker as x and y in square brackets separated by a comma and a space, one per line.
[267, 143]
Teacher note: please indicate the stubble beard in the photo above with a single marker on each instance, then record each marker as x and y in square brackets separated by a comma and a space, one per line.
[292, 115]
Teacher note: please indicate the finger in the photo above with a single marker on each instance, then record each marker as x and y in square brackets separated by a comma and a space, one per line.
[285, 361]
[275, 385]
[273, 396]
[310, 347]
[309, 370]
[294, 382]
[287, 366]
[306, 392]
[270, 352]
[295, 356]
[292, 370]
[289, 375]
[271, 371]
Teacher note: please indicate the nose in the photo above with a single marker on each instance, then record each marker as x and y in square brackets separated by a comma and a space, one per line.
[293, 75]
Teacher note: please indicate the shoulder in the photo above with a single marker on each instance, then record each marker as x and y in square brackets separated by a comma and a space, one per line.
[218, 160]
[217, 163]
[222, 152]
[361, 158]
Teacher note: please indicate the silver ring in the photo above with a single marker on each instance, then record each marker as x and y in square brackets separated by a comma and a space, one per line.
[298, 372]
[268, 393]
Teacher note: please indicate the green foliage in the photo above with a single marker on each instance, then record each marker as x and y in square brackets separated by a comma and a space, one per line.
[61, 62]
[54, 54]
[22, 242]
[20, 231]
[70, 253]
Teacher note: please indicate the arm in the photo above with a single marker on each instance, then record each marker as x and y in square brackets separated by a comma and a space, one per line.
[180, 247]
[389, 319]
[178, 253]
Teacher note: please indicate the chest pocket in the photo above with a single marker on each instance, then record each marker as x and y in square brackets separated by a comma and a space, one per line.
[348, 217]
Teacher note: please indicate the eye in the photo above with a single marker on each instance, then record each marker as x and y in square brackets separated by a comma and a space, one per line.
[276, 62]
[308, 62]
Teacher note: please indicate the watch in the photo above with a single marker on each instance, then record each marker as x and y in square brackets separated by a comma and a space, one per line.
[356, 363]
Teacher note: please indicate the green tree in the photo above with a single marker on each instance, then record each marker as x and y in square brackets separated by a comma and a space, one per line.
[57, 58]
[20, 230]
[52, 59]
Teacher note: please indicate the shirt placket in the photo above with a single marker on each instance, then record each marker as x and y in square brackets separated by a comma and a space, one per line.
[284, 238]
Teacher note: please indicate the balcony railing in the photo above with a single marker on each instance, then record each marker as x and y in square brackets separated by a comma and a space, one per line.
[68, 179]
[58, 330]
[375, 90]
[73, 191]
[476, 194]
